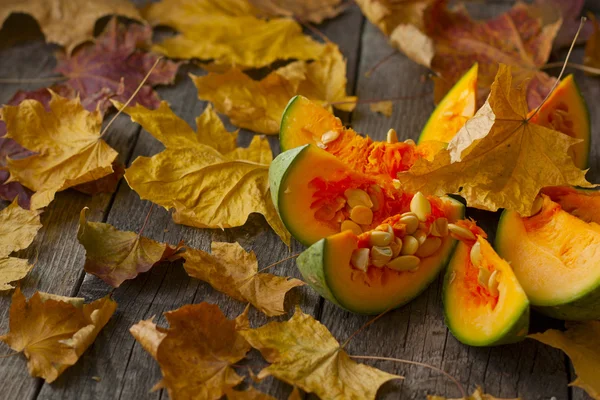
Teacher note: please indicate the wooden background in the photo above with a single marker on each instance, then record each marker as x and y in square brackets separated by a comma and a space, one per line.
[414, 332]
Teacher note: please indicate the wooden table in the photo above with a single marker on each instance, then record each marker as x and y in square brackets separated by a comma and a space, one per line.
[414, 332]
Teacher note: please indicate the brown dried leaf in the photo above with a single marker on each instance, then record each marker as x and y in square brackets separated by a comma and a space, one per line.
[115, 256]
[53, 332]
[477, 395]
[315, 11]
[233, 271]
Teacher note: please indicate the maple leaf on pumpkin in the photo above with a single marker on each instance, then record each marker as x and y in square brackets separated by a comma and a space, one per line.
[233, 271]
[54, 331]
[115, 256]
[258, 105]
[582, 344]
[230, 33]
[499, 159]
[68, 22]
[18, 228]
[519, 37]
[67, 145]
[196, 352]
[110, 68]
[209, 187]
[478, 394]
[302, 352]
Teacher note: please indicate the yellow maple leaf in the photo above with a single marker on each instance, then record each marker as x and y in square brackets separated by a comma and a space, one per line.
[207, 188]
[54, 331]
[302, 352]
[315, 11]
[389, 14]
[233, 271]
[68, 22]
[258, 105]
[385, 107]
[18, 228]
[478, 394]
[581, 342]
[115, 256]
[66, 140]
[230, 33]
[499, 159]
[197, 351]
[248, 394]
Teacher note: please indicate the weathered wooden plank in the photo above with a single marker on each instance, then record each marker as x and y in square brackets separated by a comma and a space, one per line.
[59, 258]
[125, 369]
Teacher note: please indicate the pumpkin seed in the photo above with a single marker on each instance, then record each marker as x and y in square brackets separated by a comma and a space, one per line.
[493, 284]
[330, 136]
[404, 263]
[537, 205]
[410, 245]
[411, 221]
[410, 141]
[429, 247]
[392, 136]
[483, 277]
[380, 255]
[360, 258]
[475, 255]
[361, 215]
[358, 197]
[420, 206]
[460, 233]
[380, 238]
[420, 236]
[440, 227]
[396, 247]
[348, 225]
[325, 213]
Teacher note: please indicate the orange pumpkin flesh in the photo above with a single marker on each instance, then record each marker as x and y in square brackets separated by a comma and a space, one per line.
[476, 315]
[555, 254]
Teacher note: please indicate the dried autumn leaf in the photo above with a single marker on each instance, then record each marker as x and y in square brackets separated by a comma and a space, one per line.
[570, 12]
[206, 187]
[18, 228]
[502, 160]
[581, 342]
[12, 190]
[230, 33]
[315, 11]
[197, 351]
[248, 394]
[54, 331]
[478, 394]
[68, 22]
[115, 256]
[66, 140]
[258, 105]
[519, 37]
[385, 107]
[592, 47]
[387, 15]
[302, 352]
[233, 271]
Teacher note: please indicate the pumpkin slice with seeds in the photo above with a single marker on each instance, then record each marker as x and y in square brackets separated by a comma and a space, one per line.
[372, 245]
[484, 304]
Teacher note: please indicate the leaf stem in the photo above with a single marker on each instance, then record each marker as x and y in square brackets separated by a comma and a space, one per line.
[362, 328]
[580, 67]
[367, 101]
[146, 220]
[562, 71]
[132, 96]
[380, 63]
[11, 354]
[34, 80]
[277, 262]
[311, 28]
[453, 379]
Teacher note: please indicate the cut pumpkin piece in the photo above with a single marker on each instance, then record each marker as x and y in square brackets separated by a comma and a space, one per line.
[566, 111]
[484, 304]
[454, 110]
[556, 253]
[304, 122]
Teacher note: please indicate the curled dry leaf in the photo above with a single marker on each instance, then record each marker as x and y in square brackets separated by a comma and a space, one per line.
[478, 394]
[18, 228]
[385, 107]
[209, 187]
[499, 159]
[67, 144]
[230, 33]
[302, 352]
[592, 47]
[258, 105]
[197, 351]
[54, 331]
[387, 15]
[315, 11]
[581, 342]
[520, 37]
[115, 256]
[233, 271]
[68, 22]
